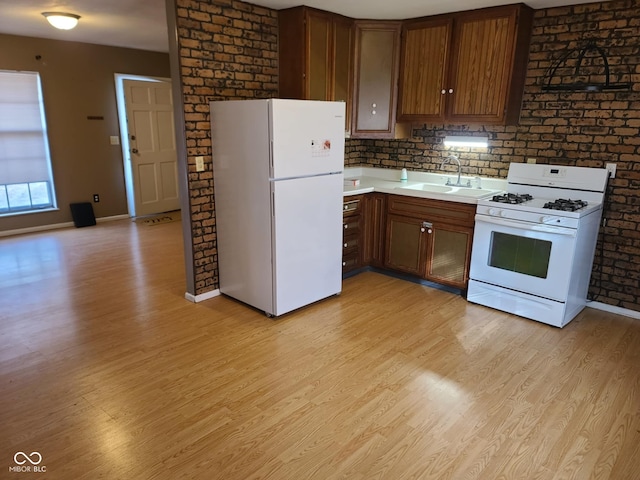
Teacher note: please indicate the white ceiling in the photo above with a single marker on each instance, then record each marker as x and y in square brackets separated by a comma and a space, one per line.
[142, 23]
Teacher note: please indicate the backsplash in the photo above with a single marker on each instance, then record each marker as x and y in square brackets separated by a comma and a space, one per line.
[425, 152]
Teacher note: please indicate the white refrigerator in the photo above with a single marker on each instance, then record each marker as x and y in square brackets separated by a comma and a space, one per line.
[278, 183]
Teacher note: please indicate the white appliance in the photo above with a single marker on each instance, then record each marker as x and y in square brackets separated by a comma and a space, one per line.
[278, 183]
[533, 247]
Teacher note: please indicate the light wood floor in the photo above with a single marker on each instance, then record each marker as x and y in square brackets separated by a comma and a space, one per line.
[109, 373]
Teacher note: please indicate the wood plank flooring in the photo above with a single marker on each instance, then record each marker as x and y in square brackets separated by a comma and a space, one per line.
[108, 372]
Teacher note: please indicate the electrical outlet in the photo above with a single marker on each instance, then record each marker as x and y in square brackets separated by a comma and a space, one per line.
[531, 160]
[114, 140]
[611, 168]
[199, 164]
[96, 198]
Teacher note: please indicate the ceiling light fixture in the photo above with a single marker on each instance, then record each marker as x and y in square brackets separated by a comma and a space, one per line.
[63, 21]
[461, 141]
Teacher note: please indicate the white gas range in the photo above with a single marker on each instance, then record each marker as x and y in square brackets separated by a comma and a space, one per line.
[533, 247]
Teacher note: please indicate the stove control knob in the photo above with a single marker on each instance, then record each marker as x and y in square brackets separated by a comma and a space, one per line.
[493, 211]
[503, 214]
[548, 219]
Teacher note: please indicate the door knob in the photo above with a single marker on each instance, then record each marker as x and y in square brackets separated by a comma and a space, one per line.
[134, 150]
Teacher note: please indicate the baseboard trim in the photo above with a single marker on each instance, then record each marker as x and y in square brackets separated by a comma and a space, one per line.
[112, 218]
[613, 309]
[203, 296]
[56, 226]
[41, 228]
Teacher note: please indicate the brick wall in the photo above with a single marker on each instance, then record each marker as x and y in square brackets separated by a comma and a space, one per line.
[228, 50]
[571, 128]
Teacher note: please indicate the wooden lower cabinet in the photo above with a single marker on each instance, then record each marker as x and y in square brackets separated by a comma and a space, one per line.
[374, 214]
[449, 254]
[352, 233]
[406, 246]
[430, 239]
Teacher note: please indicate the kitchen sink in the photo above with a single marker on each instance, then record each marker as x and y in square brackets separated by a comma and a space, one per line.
[474, 192]
[428, 187]
[450, 190]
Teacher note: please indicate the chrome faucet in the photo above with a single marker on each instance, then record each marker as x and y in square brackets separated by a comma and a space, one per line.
[458, 183]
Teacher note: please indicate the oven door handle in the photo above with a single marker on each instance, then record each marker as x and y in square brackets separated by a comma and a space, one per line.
[534, 227]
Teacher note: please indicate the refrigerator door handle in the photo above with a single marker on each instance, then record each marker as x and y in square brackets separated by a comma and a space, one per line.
[273, 202]
[271, 158]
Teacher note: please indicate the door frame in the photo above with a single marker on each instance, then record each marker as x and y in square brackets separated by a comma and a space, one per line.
[124, 133]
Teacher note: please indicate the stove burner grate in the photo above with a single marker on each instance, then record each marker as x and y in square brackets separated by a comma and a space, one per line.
[566, 205]
[512, 198]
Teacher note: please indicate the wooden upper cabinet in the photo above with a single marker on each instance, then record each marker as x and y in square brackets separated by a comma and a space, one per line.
[317, 81]
[425, 65]
[316, 56]
[342, 51]
[480, 75]
[467, 67]
[377, 49]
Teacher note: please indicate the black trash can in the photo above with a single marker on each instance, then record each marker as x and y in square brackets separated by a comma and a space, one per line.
[82, 214]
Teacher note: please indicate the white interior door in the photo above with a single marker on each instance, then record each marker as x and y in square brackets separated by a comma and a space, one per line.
[152, 151]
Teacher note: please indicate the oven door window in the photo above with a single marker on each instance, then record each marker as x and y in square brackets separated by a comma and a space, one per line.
[528, 256]
[518, 256]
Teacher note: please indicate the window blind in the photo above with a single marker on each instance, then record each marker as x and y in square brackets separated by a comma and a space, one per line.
[25, 169]
[23, 144]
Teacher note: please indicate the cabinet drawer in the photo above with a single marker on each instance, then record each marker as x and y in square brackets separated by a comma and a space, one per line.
[432, 210]
[350, 261]
[352, 205]
[350, 242]
[351, 225]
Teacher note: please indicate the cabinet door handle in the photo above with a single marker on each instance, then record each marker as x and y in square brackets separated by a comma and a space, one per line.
[451, 90]
[443, 91]
[346, 226]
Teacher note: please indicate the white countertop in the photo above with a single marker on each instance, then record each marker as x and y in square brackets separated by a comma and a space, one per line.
[421, 184]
